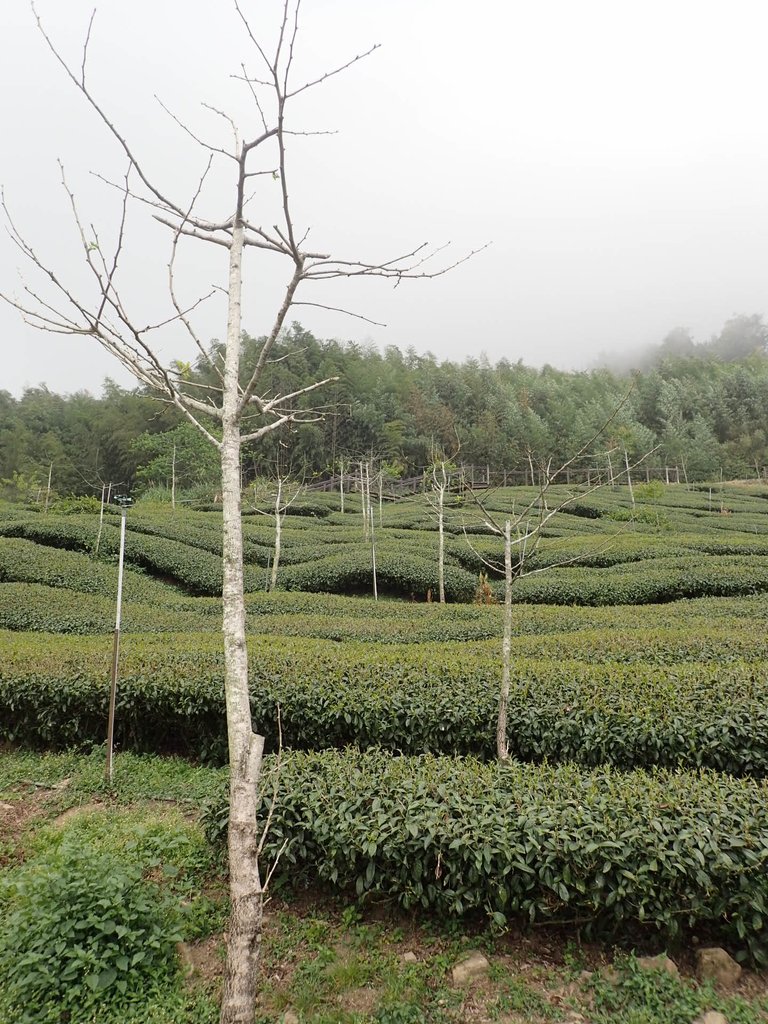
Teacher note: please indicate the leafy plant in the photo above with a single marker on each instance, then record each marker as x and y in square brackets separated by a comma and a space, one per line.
[80, 930]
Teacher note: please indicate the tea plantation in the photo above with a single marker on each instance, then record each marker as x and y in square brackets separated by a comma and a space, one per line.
[636, 801]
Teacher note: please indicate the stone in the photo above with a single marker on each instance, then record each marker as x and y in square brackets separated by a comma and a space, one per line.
[289, 1017]
[409, 957]
[715, 965]
[473, 965]
[711, 1017]
[658, 963]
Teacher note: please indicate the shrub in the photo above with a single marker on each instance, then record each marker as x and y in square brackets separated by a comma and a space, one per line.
[662, 851]
[82, 932]
[437, 697]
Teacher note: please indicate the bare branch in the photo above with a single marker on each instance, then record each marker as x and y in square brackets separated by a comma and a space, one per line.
[256, 435]
[330, 74]
[191, 134]
[192, 232]
[275, 403]
[338, 309]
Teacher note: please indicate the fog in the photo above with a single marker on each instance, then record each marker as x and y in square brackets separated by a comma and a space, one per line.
[613, 155]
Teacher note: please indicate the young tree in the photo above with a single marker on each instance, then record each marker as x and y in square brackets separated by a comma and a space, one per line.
[232, 404]
[281, 493]
[522, 531]
[441, 473]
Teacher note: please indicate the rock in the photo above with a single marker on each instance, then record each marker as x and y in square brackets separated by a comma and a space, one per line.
[289, 1017]
[711, 1017]
[409, 957]
[713, 964]
[473, 965]
[658, 963]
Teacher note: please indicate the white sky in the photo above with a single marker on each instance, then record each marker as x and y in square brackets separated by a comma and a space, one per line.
[614, 152]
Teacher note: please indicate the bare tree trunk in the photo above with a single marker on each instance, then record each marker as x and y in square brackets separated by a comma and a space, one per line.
[101, 521]
[48, 491]
[278, 533]
[173, 479]
[373, 562]
[441, 544]
[502, 746]
[363, 495]
[341, 486]
[245, 747]
[629, 478]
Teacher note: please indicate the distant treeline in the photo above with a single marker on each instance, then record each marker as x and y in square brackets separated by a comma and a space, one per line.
[705, 405]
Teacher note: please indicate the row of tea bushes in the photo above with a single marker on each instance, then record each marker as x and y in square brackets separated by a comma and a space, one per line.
[693, 631]
[661, 853]
[22, 561]
[35, 608]
[641, 583]
[399, 572]
[438, 697]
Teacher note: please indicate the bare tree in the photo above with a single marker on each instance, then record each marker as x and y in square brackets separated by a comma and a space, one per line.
[282, 496]
[224, 414]
[522, 531]
[441, 472]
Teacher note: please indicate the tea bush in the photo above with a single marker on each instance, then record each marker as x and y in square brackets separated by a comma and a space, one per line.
[412, 698]
[663, 851]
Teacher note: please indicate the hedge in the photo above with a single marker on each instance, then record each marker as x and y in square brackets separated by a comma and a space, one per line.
[665, 852]
[398, 571]
[434, 697]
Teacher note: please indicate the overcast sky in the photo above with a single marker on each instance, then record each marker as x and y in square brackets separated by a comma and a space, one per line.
[614, 152]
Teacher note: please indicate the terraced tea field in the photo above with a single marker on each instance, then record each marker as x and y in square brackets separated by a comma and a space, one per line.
[636, 803]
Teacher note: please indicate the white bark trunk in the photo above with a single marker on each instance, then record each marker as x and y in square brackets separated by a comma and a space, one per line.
[502, 746]
[173, 479]
[629, 478]
[245, 748]
[441, 544]
[101, 522]
[278, 533]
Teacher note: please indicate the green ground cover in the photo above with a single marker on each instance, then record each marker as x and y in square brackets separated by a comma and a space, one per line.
[638, 721]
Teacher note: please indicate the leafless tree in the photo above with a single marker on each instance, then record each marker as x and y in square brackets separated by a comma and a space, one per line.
[522, 531]
[441, 471]
[225, 414]
[281, 492]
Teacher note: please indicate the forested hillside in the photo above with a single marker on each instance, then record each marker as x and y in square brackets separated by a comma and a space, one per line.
[706, 406]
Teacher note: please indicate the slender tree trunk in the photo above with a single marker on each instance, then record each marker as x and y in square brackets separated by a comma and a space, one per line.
[363, 495]
[502, 746]
[48, 490]
[245, 747]
[173, 479]
[629, 478]
[341, 485]
[373, 561]
[441, 543]
[278, 533]
[101, 521]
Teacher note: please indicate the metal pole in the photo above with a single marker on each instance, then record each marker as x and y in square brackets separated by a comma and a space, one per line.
[115, 658]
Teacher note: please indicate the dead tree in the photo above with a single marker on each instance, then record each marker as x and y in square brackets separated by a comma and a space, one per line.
[236, 411]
